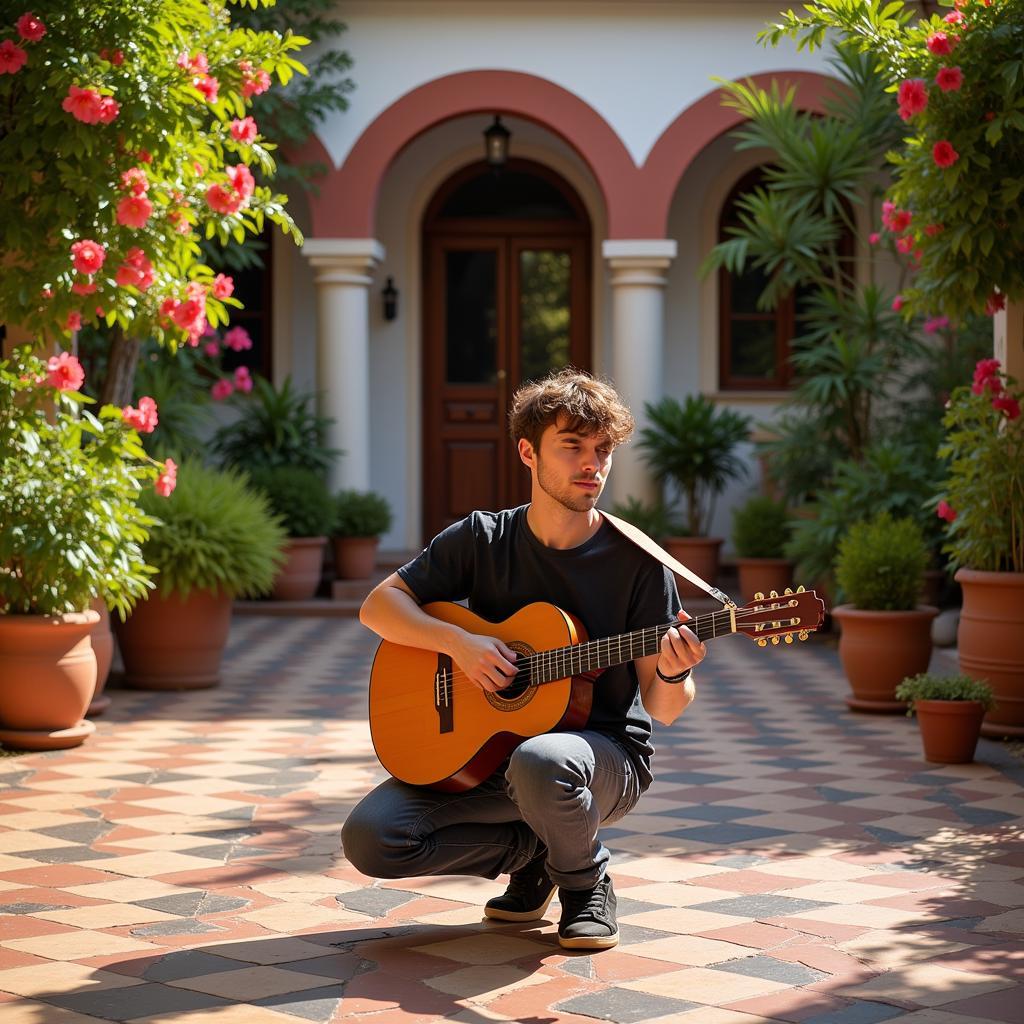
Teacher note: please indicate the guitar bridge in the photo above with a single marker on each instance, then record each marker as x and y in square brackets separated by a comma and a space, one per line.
[444, 694]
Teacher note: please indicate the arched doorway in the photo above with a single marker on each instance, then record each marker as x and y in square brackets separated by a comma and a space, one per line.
[506, 263]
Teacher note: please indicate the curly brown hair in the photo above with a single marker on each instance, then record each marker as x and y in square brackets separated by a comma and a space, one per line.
[589, 405]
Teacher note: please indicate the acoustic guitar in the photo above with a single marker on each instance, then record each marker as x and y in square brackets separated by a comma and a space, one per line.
[431, 726]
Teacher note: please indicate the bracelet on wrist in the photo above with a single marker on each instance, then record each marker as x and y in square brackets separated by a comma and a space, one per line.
[672, 679]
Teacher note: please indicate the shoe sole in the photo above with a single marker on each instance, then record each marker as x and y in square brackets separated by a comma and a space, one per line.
[496, 914]
[590, 942]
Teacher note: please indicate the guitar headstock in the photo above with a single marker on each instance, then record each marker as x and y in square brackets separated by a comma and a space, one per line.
[768, 618]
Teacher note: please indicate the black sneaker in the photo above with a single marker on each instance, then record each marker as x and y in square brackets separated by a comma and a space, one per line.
[528, 894]
[588, 917]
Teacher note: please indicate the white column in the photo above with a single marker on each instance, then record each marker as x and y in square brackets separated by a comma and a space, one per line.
[1008, 338]
[344, 272]
[638, 268]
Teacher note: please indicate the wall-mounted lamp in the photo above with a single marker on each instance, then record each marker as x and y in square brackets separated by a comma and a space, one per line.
[389, 296]
[496, 143]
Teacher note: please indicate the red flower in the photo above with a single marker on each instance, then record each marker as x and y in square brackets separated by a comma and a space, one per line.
[73, 321]
[208, 86]
[241, 180]
[954, 18]
[64, 372]
[167, 480]
[12, 57]
[874, 238]
[244, 129]
[949, 79]
[900, 221]
[109, 109]
[223, 286]
[253, 82]
[940, 43]
[135, 179]
[944, 154]
[134, 211]
[986, 377]
[945, 511]
[221, 389]
[912, 97]
[897, 303]
[136, 270]
[931, 230]
[83, 288]
[995, 302]
[905, 244]
[1008, 405]
[83, 104]
[222, 199]
[144, 419]
[87, 256]
[936, 323]
[243, 382]
[30, 28]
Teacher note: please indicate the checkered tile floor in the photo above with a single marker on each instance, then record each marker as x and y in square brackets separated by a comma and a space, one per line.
[792, 862]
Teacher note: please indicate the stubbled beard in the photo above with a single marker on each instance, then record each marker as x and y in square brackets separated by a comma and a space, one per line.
[568, 498]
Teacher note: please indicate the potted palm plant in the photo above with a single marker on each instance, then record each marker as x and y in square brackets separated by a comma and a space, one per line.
[72, 535]
[886, 634]
[301, 500]
[216, 540]
[760, 530]
[360, 518]
[692, 447]
[654, 518]
[949, 712]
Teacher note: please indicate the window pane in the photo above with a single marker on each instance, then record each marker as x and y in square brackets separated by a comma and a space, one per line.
[746, 289]
[752, 352]
[471, 317]
[544, 309]
[508, 194]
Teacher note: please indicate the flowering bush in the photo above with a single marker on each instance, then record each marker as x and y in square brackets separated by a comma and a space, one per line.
[127, 123]
[983, 498]
[957, 79]
[69, 481]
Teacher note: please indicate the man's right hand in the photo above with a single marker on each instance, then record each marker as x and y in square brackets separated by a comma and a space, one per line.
[487, 662]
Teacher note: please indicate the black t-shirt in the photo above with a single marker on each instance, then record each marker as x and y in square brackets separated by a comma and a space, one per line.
[493, 560]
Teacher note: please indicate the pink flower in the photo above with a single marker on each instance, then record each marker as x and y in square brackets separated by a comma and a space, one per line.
[905, 244]
[986, 377]
[946, 511]
[1007, 404]
[198, 63]
[253, 82]
[222, 199]
[223, 286]
[237, 339]
[244, 129]
[208, 86]
[954, 18]
[12, 57]
[186, 313]
[221, 389]
[30, 28]
[145, 156]
[949, 79]
[944, 154]
[243, 382]
[144, 419]
[134, 211]
[940, 44]
[212, 349]
[73, 321]
[874, 238]
[900, 221]
[64, 372]
[931, 230]
[109, 109]
[135, 180]
[897, 303]
[994, 303]
[167, 480]
[84, 288]
[87, 256]
[83, 104]
[136, 270]
[913, 97]
[241, 180]
[936, 323]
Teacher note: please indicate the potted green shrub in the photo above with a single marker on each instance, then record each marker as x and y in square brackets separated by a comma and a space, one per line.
[301, 500]
[360, 518]
[949, 713]
[692, 447]
[760, 530]
[654, 518]
[71, 539]
[216, 539]
[886, 634]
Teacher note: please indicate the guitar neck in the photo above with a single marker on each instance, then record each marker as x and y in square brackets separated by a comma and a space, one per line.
[596, 655]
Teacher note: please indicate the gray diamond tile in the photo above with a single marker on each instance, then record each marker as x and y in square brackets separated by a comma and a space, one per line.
[717, 812]
[724, 833]
[86, 832]
[137, 1001]
[761, 906]
[317, 1004]
[187, 963]
[30, 908]
[858, 1013]
[624, 1006]
[770, 969]
[183, 927]
[375, 902]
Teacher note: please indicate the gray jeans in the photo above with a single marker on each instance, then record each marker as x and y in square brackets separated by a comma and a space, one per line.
[556, 790]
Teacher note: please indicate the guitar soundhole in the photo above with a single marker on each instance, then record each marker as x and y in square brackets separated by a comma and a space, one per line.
[520, 691]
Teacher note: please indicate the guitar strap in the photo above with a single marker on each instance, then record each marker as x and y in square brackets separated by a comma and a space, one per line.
[655, 550]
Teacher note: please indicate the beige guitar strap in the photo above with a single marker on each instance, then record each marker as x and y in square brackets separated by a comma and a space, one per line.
[655, 550]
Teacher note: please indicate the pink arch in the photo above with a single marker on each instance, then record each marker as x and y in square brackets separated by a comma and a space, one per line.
[637, 199]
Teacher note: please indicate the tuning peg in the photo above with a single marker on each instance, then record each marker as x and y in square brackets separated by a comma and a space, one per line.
[773, 593]
[789, 638]
[788, 591]
[803, 634]
[759, 596]
[762, 642]
[800, 590]
[775, 641]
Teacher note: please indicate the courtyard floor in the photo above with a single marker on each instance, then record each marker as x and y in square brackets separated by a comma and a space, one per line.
[793, 862]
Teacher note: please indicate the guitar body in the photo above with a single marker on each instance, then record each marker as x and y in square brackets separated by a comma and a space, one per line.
[432, 727]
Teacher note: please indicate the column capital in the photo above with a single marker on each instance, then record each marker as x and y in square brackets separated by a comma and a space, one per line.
[343, 260]
[639, 260]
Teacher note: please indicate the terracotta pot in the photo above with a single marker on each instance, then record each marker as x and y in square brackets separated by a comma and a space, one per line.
[879, 649]
[47, 678]
[949, 729]
[175, 643]
[990, 641]
[299, 576]
[699, 555]
[762, 576]
[355, 558]
[103, 645]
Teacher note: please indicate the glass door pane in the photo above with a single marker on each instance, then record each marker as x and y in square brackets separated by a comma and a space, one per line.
[471, 316]
[545, 294]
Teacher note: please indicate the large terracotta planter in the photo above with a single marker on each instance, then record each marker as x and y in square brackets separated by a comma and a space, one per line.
[47, 678]
[355, 558]
[762, 576]
[699, 555]
[879, 649]
[990, 642]
[949, 729]
[299, 576]
[171, 643]
[102, 639]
